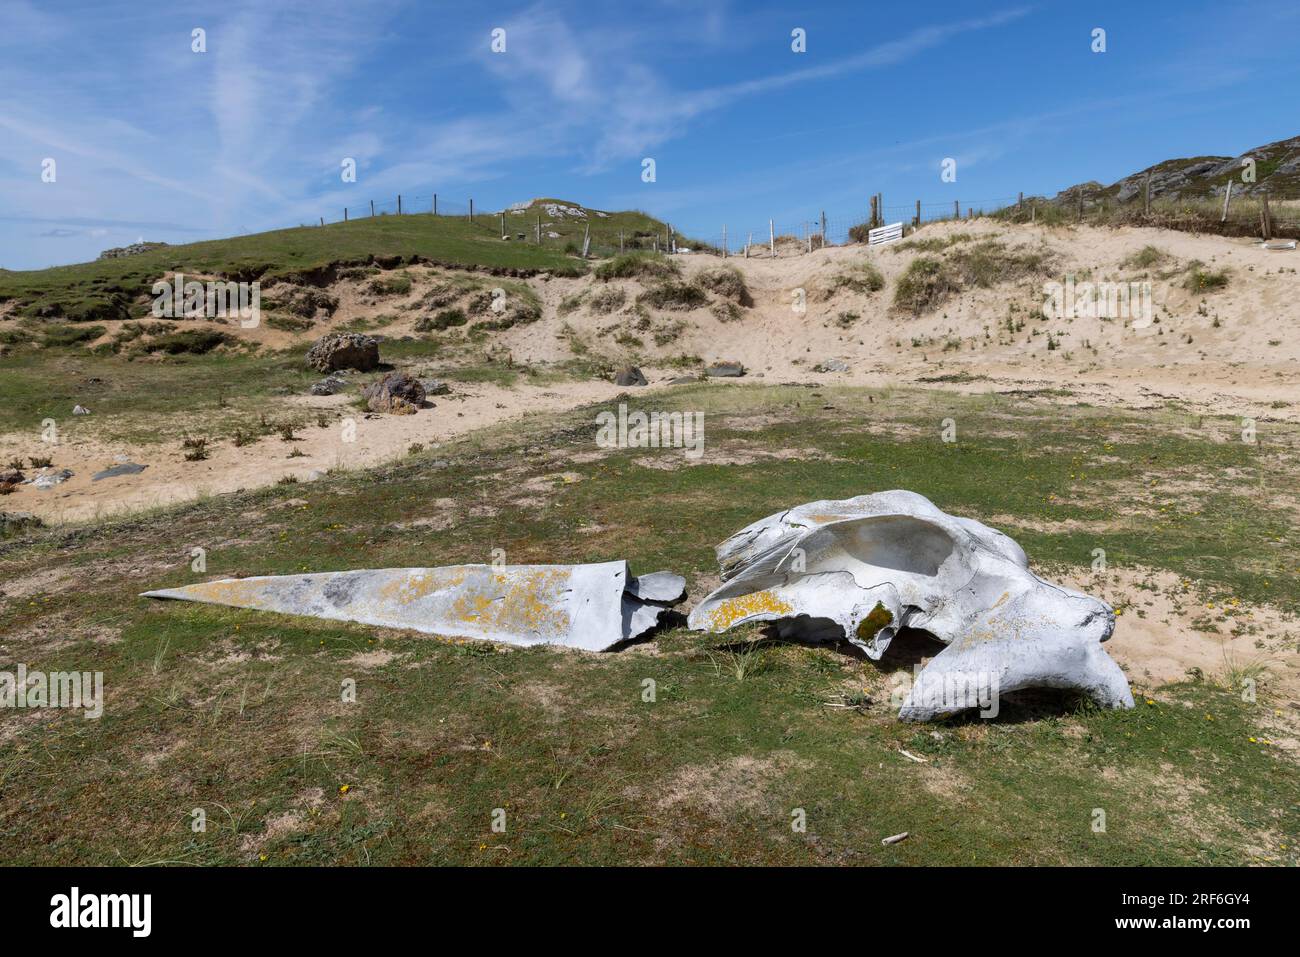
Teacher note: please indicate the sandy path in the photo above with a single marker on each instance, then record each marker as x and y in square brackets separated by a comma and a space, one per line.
[378, 438]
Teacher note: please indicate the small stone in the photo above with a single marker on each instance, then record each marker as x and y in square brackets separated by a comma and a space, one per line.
[435, 387]
[330, 385]
[831, 365]
[127, 468]
[50, 479]
[630, 375]
[725, 370]
[80, 410]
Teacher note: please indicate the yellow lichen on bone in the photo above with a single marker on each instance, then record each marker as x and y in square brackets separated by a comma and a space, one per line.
[420, 585]
[239, 592]
[731, 610]
[531, 603]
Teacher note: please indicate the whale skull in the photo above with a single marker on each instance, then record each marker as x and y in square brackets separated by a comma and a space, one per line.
[865, 567]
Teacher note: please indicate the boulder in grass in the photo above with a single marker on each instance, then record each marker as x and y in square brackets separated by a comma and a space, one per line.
[344, 350]
[630, 375]
[397, 392]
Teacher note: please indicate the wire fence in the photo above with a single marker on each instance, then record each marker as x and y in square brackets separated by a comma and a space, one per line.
[1269, 215]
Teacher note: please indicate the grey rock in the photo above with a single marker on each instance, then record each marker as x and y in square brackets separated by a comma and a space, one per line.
[118, 252]
[831, 365]
[48, 480]
[435, 387]
[330, 385]
[348, 350]
[397, 392]
[630, 375]
[127, 468]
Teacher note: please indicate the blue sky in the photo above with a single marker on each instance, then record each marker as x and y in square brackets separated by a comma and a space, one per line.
[153, 140]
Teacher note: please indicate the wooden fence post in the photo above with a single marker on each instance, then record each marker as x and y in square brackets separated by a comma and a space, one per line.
[749, 242]
[372, 207]
[1266, 217]
[823, 229]
[435, 204]
[917, 221]
[1227, 198]
[956, 209]
[724, 240]
[322, 220]
[539, 228]
[503, 224]
[771, 237]
[471, 210]
[1033, 210]
[345, 214]
[586, 240]
[1146, 196]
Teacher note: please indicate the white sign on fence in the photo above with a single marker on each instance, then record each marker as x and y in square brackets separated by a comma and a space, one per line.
[885, 234]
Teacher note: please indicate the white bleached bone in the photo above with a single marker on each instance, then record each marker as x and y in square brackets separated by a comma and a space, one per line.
[592, 607]
[864, 567]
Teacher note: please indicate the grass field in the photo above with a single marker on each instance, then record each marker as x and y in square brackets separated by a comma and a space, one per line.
[113, 289]
[240, 713]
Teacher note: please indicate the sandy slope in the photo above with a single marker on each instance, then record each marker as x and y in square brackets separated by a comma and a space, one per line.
[1241, 358]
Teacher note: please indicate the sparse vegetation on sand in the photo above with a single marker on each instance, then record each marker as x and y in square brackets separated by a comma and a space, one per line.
[674, 294]
[1146, 257]
[637, 266]
[1201, 278]
[929, 280]
[727, 282]
[862, 278]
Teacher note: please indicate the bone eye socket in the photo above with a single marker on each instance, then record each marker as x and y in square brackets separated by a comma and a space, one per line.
[896, 542]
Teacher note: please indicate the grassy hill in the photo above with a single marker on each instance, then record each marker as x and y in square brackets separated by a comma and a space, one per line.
[119, 288]
[1277, 171]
